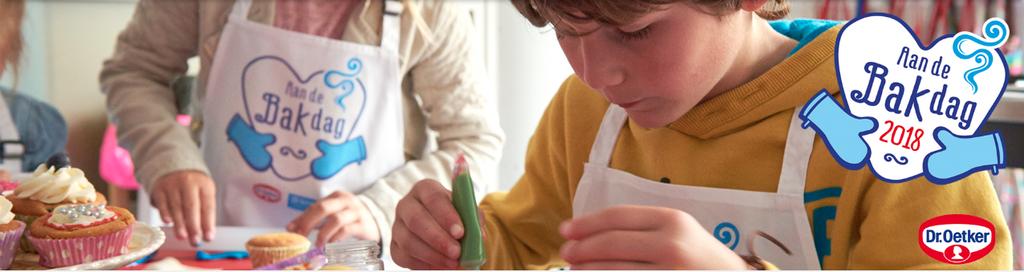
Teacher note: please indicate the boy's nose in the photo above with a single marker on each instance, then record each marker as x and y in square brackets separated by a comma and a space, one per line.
[600, 80]
[600, 67]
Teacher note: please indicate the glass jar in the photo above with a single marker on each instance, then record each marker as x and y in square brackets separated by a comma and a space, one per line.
[353, 255]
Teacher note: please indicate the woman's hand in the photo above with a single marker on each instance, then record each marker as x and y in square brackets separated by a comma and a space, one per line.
[343, 215]
[643, 238]
[188, 199]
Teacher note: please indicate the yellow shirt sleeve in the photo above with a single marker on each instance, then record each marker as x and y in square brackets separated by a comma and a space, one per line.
[884, 219]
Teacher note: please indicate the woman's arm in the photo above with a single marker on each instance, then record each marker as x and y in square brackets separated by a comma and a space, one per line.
[150, 53]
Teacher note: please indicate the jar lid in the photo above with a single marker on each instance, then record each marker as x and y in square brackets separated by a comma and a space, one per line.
[351, 245]
[358, 254]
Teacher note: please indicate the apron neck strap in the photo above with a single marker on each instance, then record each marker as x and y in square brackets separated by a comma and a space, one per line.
[241, 9]
[391, 25]
[11, 148]
[797, 155]
[607, 135]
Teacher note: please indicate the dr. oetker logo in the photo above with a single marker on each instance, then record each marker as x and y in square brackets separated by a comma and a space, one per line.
[266, 192]
[957, 238]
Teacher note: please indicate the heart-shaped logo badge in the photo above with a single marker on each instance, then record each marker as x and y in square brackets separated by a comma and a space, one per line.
[912, 109]
[299, 125]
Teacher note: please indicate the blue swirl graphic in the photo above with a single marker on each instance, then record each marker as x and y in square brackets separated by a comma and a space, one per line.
[288, 151]
[355, 65]
[728, 234]
[994, 30]
[890, 157]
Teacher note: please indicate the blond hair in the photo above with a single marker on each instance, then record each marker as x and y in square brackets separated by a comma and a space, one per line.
[617, 12]
[11, 12]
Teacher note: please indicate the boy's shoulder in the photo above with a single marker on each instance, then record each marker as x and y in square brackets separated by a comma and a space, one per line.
[575, 112]
[579, 102]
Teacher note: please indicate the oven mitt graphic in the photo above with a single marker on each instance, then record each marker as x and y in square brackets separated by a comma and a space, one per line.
[252, 144]
[840, 130]
[338, 156]
[961, 155]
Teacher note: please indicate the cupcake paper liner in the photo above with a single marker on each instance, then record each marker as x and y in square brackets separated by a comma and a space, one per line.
[73, 251]
[24, 244]
[262, 256]
[314, 258]
[9, 241]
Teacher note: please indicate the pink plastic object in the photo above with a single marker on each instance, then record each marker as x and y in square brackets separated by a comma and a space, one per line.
[116, 165]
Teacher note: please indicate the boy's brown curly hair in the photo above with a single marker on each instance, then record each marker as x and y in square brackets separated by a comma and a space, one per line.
[619, 12]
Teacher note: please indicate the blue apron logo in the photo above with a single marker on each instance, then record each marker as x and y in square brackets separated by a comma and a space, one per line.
[912, 110]
[322, 109]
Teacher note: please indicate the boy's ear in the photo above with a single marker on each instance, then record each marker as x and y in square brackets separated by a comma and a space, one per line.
[752, 5]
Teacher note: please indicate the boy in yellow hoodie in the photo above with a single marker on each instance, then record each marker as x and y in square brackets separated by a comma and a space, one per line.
[676, 142]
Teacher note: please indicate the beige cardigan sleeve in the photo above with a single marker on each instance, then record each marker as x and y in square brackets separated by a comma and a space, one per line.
[150, 53]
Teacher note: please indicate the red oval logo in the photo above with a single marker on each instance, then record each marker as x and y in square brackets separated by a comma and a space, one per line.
[266, 193]
[957, 238]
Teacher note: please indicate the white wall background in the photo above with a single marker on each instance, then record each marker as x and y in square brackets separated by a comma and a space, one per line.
[527, 66]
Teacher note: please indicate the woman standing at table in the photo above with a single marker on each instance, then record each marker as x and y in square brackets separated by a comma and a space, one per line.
[311, 113]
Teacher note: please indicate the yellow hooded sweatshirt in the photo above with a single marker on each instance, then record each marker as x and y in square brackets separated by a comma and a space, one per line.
[735, 141]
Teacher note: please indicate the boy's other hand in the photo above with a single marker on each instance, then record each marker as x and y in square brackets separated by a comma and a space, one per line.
[187, 199]
[643, 238]
[343, 215]
[427, 229]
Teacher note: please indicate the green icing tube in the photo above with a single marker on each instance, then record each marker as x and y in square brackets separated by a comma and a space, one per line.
[464, 200]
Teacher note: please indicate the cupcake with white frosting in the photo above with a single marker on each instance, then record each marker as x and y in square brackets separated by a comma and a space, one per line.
[52, 184]
[79, 233]
[10, 233]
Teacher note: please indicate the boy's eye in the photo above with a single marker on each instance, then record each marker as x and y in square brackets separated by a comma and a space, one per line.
[635, 35]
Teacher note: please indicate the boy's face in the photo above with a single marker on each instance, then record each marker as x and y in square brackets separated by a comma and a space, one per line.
[659, 66]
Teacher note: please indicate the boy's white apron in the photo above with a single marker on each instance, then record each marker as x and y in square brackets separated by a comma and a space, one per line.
[730, 215]
[290, 117]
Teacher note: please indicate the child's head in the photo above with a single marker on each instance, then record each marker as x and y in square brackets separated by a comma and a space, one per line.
[11, 12]
[659, 58]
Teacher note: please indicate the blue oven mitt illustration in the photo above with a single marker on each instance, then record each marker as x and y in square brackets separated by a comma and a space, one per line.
[338, 156]
[962, 155]
[840, 130]
[251, 143]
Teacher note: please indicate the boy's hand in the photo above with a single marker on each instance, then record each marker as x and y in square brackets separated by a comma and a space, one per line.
[427, 229]
[343, 215]
[188, 199]
[643, 238]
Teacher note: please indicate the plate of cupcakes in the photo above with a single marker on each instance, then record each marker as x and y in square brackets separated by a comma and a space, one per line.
[56, 219]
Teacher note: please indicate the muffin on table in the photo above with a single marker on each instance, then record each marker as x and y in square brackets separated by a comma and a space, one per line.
[10, 234]
[266, 249]
[52, 184]
[78, 233]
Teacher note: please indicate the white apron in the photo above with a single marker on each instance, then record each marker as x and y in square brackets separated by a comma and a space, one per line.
[730, 215]
[290, 117]
[11, 149]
